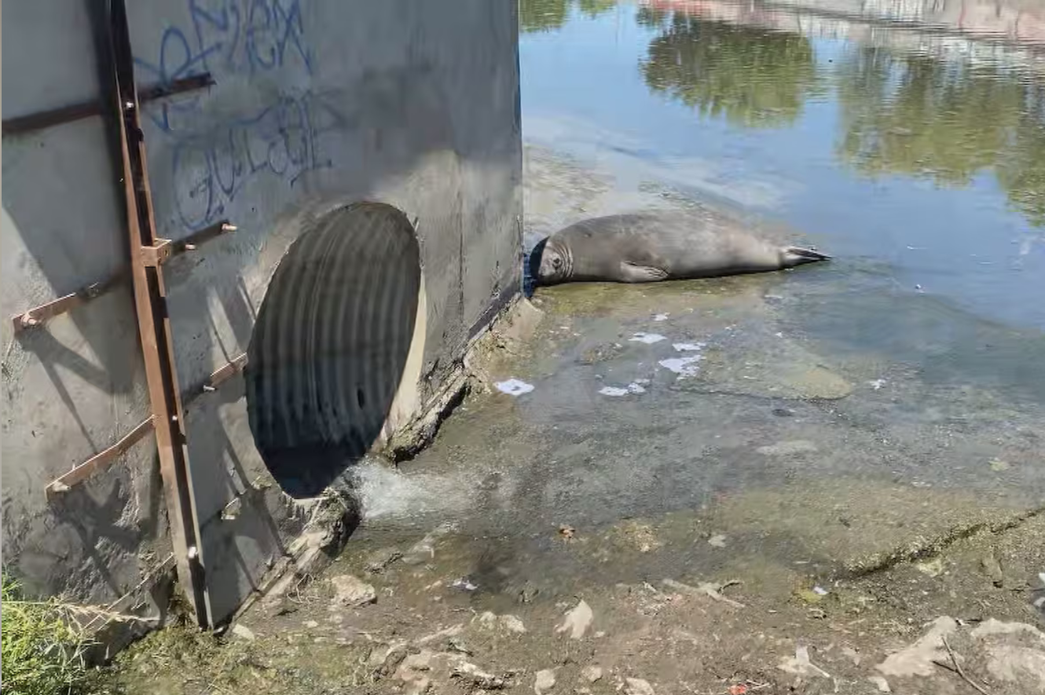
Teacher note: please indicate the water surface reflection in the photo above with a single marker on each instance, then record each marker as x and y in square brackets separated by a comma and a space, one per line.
[909, 134]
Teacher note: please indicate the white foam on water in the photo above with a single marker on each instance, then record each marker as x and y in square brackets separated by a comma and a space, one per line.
[644, 382]
[514, 387]
[683, 366]
[617, 391]
[661, 317]
[689, 347]
[388, 494]
[648, 338]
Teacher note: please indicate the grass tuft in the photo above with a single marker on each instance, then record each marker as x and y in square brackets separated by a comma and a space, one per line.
[43, 652]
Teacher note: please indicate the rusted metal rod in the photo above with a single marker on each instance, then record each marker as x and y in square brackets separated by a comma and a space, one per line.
[103, 459]
[37, 316]
[89, 109]
[219, 376]
[99, 462]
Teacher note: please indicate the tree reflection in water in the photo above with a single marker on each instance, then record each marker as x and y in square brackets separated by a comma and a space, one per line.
[945, 121]
[899, 113]
[753, 77]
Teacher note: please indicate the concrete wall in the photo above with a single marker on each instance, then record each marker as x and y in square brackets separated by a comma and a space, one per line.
[317, 104]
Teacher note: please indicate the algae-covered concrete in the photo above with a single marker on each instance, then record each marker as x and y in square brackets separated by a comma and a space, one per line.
[316, 105]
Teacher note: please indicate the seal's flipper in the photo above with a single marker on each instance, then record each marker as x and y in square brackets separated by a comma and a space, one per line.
[796, 255]
[631, 272]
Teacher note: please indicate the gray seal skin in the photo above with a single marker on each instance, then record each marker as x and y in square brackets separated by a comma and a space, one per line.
[649, 247]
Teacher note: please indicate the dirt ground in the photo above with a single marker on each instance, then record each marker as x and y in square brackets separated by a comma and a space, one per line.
[808, 509]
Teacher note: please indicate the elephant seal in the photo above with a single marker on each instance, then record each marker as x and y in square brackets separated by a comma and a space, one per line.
[652, 246]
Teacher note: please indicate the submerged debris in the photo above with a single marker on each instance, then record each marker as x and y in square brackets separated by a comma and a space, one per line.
[683, 366]
[513, 387]
[647, 338]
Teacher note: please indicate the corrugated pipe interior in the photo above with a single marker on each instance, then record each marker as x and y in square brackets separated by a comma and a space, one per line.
[331, 342]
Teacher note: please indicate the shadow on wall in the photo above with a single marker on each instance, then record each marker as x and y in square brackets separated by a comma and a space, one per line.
[331, 343]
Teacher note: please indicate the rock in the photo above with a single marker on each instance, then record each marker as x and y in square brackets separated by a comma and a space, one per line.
[577, 621]
[352, 592]
[993, 569]
[637, 686]
[455, 644]
[386, 662]
[801, 665]
[881, 684]
[544, 681]
[243, 632]
[311, 624]
[280, 605]
[930, 568]
[591, 673]
[380, 560]
[917, 659]
[480, 679]
[413, 672]
[998, 465]
[1014, 653]
[718, 541]
[513, 623]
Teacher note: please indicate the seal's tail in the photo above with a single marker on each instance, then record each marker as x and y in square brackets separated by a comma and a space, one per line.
[796, 255]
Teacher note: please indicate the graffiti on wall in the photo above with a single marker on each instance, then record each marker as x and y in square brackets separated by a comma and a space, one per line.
[232, 37]
[214, 159]
[210, 168]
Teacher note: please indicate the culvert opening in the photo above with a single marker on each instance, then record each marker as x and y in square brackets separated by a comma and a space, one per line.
[331, 344]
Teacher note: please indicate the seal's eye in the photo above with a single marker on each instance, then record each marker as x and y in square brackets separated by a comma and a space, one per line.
[557, 263]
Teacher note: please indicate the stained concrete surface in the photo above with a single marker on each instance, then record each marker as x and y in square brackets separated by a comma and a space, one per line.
[858, 494]
[315, 105]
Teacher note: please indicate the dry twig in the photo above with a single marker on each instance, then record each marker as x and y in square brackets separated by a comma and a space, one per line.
[958, 668]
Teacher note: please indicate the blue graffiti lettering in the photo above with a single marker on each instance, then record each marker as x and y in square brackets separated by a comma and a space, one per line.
[210, 169]
[223, 42]
[258, 43]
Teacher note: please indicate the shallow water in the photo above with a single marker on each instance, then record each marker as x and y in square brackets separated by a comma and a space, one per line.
[817, 416]
[906, 137]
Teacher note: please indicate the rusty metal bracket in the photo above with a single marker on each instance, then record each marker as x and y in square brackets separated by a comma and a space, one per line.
[99, 462]
[37, 316]
[89, 109]
[157, 253]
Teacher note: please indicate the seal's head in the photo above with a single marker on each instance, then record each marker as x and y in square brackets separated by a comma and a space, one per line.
[551, 262]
